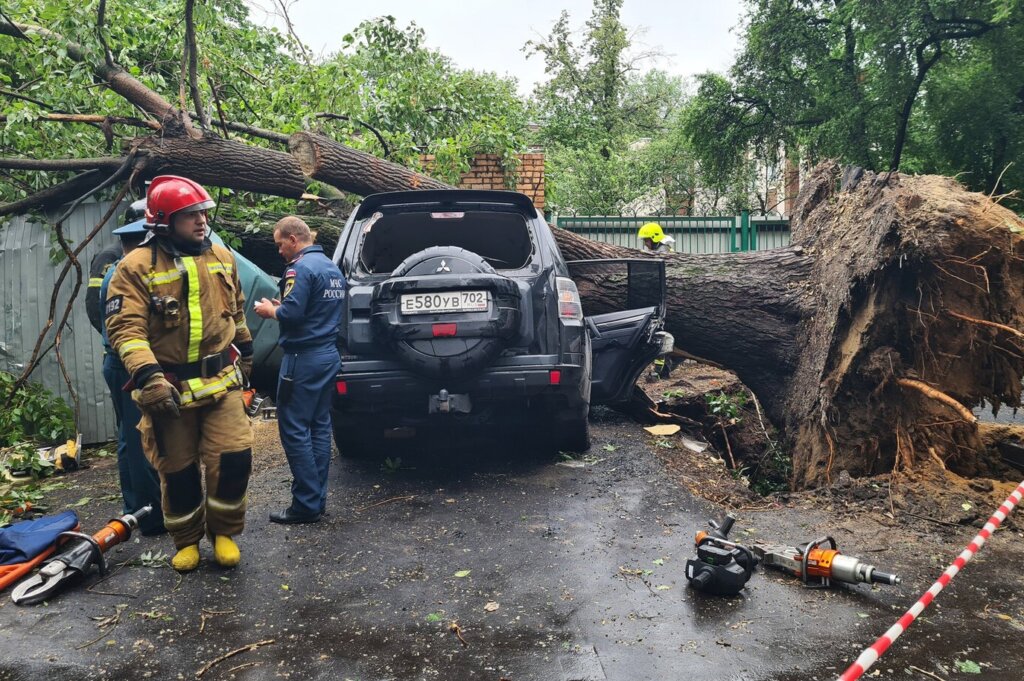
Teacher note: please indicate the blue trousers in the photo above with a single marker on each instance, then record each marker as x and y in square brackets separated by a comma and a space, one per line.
[304, 389]
[140, 484]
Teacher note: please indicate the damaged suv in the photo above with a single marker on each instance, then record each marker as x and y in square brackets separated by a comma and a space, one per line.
[461, 312]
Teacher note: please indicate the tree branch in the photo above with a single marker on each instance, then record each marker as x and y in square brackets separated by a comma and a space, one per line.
[116, 78]
[57, 194]
[340, 117]
[100, 21]
[191, 53]
[103, 163]
[93, 119]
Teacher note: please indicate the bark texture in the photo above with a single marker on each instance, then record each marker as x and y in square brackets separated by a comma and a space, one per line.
[323, 159]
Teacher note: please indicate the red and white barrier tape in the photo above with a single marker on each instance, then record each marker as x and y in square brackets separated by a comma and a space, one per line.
[871, 655]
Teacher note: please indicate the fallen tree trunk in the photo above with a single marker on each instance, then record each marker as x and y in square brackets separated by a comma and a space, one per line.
[896, 308]
[323, 159]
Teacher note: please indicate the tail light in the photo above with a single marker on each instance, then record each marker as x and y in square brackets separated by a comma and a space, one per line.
[569, 306]
[341, 387]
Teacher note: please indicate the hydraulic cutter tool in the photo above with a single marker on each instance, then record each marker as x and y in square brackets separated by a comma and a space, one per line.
[819, 562]
[75, 557]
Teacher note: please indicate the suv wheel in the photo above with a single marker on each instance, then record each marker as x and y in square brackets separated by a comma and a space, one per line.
[572, 436]
[470, 339]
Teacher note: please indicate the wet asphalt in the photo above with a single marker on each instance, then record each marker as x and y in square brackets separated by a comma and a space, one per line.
[551, 570]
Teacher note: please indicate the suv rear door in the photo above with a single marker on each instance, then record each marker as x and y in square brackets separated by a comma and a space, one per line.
[624, 310]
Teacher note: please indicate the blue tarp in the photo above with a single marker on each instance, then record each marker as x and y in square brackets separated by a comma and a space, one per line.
[24, 541]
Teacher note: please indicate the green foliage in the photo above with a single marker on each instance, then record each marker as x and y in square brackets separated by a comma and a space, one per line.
[384, 92]
[920, 85]
[33, 414]
[23, 458]
[726, 407]
[599, 115]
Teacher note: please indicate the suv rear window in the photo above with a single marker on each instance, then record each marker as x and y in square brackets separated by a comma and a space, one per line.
[503, 239]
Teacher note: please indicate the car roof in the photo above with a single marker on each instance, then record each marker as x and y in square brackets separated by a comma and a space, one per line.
[446, 197]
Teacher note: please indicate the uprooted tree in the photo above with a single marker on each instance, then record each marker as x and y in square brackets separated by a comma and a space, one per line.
[897, 306]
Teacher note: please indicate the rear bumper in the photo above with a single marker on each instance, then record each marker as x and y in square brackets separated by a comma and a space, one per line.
[380, 387]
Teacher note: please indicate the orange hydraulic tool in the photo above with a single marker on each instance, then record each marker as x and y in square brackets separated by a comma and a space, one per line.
[819, 562]
[79, 553]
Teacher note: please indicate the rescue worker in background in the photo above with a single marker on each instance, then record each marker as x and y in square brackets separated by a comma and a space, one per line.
[102, 263]
[140, 485]
[654, 240]
[174, 314]
[309, 313]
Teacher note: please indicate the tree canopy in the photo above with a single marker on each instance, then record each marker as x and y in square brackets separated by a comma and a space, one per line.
[383, 91]
[927, 86]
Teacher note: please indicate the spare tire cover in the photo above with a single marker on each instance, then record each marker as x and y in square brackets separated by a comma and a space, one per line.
[480, 338]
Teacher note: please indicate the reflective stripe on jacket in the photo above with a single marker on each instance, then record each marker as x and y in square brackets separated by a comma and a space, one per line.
[203, 313]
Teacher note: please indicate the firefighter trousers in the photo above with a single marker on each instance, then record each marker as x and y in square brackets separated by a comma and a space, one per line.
[215, 436]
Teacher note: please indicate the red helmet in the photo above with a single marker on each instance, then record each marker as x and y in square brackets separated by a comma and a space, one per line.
[170, 194]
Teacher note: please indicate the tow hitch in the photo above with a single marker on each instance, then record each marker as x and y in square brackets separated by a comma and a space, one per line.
[446, 403]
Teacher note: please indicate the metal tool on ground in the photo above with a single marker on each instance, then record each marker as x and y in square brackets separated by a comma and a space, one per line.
[722, 567]
[75, 558]
[819, 563]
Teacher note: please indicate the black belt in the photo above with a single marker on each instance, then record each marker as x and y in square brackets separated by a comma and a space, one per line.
[207, 367]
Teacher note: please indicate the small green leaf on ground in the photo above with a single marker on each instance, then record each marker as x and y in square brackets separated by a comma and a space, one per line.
[863, 615]
[609, 448]
[462, 573]
[968, 667]
[81, 502]
[663, 587]
[658, 561]
[285, 587]
[435, 617]
[966, 506]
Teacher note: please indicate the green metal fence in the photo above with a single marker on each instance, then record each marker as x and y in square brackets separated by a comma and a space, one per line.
[724, 234]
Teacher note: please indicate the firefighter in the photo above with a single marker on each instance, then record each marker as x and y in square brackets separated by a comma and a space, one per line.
[175, 315]
[653, 239]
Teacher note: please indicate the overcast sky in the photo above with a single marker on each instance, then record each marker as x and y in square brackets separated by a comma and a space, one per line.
[488, 35]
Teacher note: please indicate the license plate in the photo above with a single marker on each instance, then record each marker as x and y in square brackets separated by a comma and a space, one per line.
[446, 301]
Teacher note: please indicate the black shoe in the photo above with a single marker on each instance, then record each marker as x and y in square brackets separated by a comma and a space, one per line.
[290, 517]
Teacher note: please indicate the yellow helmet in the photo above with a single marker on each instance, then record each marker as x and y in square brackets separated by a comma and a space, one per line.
[652, 231]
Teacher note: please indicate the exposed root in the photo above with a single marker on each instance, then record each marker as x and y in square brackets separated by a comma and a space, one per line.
[938, 395]
[985, 322]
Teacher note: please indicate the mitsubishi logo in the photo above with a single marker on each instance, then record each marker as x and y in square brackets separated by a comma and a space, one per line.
[443, 268]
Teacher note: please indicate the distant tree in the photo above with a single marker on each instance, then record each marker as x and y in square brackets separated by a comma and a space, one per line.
[597, 109]
[843, 78]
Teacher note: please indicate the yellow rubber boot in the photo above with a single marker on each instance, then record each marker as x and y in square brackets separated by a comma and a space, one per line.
[225, 551]
[186, 559]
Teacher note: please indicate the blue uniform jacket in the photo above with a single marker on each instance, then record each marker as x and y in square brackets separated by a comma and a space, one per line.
[312, 293]
[103, 306]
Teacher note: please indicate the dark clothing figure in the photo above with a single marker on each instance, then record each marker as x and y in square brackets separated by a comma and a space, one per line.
[102, 263]
[312, 292]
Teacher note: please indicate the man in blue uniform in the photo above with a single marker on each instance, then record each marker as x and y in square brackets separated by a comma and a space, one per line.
[309, 312]
[140, 484]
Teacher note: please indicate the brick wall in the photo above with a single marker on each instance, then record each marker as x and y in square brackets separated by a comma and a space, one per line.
[486, 173]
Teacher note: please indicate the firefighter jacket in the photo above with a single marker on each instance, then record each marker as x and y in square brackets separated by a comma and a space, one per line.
[178, 313]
